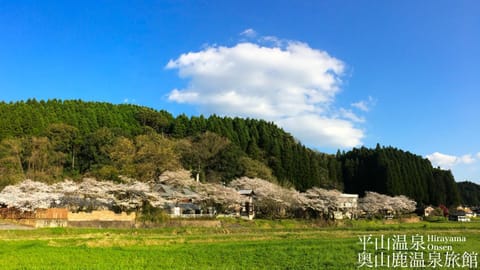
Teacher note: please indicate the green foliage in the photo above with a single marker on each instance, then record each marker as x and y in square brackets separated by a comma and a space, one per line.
[150, 214]
[32, 118]
[470, 193]
[74, 137]
[43, 163]
[445, 183]
[158, 121]
[155, 154]
[108, 172]
[122, 153]
[48, 140]
[255, 169]
[391, 171]
[11, 170]
[226, 165]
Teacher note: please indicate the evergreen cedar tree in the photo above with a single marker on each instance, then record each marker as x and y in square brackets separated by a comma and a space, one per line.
[469, 192]
[50, 140]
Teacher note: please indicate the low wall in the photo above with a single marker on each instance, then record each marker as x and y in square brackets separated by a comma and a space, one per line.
[180, 223]
[61, 217]
[51, 213]
[402, 220]
[13, 213]
[22, 221]
[39, 223]
[40, 218]
[103, 215]
[50, 223]
[102, 224]
[101, 219]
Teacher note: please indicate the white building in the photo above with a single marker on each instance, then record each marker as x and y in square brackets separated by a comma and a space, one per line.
[347, 206]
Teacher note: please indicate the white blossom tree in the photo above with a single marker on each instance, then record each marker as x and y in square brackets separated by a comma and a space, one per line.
[209, 194]
[272, 200]
[377, 204]
[86, 195]
[322, 201]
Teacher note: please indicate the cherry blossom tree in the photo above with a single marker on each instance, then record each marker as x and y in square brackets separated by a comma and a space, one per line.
[322, 201]
[208, 194]
[375, 204]
[84, 196]
[272, 200]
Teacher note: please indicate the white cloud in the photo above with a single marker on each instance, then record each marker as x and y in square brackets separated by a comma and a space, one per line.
[317, 130]
[365, 105]
[250, 33]
[442, 160]
[448, 161]
[348, 114]
[466, 159]
[128, 100]
[292, 85]
[361, 105]
[272, 40]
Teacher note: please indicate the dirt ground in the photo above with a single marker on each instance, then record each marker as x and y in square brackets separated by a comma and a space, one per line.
[11, 226]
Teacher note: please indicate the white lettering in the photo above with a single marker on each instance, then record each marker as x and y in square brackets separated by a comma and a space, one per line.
[436, 247]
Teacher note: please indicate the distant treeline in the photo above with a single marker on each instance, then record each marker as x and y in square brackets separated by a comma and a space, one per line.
[50, 140]
[391, 171]
[470, 193]
[88, 138]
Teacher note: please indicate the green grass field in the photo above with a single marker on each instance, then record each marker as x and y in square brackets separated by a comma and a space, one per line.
[237, 244]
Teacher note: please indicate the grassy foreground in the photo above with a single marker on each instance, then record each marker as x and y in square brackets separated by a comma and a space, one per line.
[235, 245]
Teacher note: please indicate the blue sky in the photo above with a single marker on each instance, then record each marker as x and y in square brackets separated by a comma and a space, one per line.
[335, 74]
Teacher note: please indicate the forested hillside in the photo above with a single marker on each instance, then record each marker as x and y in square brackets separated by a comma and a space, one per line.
[470, 193]
[391, 171]
[50, 140]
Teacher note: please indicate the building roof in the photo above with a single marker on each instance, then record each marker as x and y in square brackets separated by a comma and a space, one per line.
[164, 190]
[173, 192]
[189, 206]
[457, 213]
[247, 192]
[345, 195]
[189, 193]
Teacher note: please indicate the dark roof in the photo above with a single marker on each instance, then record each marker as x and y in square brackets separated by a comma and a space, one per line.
[457, 213]
[174, 192]
[189, 193]
[190, 206]
[164, 190]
